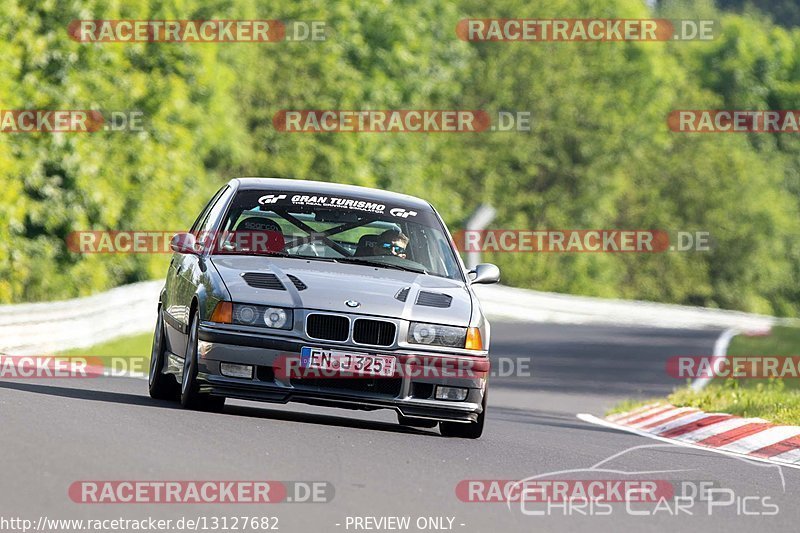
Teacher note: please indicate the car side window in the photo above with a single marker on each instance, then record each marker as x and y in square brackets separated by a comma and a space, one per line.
[204, 232]
[203, 216]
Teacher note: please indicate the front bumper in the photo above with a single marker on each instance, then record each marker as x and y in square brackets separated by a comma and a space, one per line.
[411, 393]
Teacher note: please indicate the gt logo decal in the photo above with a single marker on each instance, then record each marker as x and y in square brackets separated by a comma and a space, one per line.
[402, 213]
[270, 198]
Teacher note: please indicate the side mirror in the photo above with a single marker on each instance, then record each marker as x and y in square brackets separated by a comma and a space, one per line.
[183, 243]
[485, 273]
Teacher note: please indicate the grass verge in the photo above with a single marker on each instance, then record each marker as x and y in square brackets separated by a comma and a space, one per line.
[776, 400]
[122, 356]
[132, 346]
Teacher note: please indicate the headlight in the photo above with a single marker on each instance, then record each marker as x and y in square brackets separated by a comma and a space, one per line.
[435, 335]
[262, 316]
[275, 317]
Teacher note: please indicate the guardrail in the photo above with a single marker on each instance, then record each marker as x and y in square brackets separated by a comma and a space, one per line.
[533, 306]
[41, 328]
[47, 327]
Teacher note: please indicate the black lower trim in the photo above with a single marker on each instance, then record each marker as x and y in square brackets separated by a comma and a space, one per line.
[174, 323]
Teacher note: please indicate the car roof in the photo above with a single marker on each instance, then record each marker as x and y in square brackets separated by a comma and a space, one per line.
[327, 188]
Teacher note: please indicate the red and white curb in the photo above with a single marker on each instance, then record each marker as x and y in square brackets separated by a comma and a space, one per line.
[753, 438]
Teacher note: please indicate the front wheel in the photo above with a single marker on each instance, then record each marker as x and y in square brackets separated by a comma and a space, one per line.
[191, 397]
[471, 430]
[162, 386]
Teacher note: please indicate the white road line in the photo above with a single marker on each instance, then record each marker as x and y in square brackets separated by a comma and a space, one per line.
[720, 352]
[792, 456]
[761, 439]
[591, 419]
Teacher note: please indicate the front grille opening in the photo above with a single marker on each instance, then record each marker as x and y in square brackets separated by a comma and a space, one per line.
[374, 332]
[265, 373]
[327, 327]
[381, 386]
[423, 391]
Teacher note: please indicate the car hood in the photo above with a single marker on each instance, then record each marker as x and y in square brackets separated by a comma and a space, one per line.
[322, 285]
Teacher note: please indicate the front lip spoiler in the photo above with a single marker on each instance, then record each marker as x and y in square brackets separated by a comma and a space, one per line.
[265, 393]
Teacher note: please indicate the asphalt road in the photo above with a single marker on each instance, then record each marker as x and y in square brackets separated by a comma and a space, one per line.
[55, 432]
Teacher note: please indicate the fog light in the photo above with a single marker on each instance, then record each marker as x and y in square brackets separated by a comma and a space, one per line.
[454, 394]
[236, 371]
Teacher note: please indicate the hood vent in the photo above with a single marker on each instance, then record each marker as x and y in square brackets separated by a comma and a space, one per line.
[433, 299]
[402, 294]
[261, 280]
[298, 283]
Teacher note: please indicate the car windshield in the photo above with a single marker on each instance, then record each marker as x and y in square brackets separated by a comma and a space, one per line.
[337, 228]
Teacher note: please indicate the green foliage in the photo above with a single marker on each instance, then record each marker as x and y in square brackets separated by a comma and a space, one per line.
[130, 346]
[784, 12]
[770, 400]
[599, 156]
[781, 340]
[776, 400]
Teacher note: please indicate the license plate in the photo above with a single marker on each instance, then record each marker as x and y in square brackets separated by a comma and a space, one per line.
[335, 361]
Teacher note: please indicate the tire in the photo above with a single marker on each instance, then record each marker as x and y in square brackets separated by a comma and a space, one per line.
[471, 430]
[191, 397]
[162, 386]
[415, 422]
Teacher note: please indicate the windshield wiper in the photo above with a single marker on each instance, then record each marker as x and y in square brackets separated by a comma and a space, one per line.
[282, 254]
[382, 265]
[315, 258]
[251, 253]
